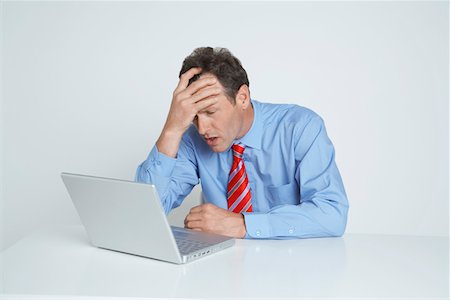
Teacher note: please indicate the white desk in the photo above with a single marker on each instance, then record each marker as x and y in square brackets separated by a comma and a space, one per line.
[62, 262]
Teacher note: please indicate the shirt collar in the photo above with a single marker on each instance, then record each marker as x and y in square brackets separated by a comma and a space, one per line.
[253, 137]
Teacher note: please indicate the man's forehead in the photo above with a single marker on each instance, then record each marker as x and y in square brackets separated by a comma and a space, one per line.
[222, 102]
[209, 108]
[214, 106]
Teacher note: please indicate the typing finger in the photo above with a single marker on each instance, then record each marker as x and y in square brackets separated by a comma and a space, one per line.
[194, 225]
[196, 209]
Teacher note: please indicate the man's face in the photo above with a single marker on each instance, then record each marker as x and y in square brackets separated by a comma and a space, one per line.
[221, 123]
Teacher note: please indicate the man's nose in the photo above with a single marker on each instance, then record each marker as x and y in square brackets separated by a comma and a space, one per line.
[202, 125]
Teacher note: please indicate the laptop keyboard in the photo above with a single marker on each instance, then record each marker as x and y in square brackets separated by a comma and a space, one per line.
[189, 246]
[187, 243]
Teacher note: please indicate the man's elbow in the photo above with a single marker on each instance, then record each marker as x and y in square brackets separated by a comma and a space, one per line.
[141, 174]
[338, 224]
[339, 230]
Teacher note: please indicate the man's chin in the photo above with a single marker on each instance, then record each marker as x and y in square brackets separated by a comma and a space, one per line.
[216, 144]
[218, 148]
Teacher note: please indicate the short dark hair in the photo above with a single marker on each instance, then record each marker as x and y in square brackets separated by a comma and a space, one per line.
[221, 63]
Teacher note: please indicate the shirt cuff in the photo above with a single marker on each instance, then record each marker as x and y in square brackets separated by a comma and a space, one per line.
[257, 225]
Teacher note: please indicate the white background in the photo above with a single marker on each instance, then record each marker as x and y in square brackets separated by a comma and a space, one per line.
[87, 85]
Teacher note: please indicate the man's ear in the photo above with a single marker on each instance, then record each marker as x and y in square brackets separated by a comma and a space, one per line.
[243, 96]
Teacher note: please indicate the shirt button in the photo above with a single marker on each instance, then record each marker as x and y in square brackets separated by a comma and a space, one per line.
[258, 233]
[158, 163]
[291, 231]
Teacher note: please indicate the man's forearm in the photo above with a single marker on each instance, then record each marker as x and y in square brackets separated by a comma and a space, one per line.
[166, 173]
[306, 220]
[187, 101]
[169, 142]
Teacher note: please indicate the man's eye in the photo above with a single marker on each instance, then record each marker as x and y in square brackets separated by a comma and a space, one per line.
[210, 112]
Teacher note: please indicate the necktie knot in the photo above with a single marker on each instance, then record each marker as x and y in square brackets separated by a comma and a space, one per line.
[238, 150]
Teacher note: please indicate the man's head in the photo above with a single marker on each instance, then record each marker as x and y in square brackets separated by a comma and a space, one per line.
[220, 63]
[231, 116]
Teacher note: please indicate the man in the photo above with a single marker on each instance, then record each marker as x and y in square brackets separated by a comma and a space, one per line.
[266, 170]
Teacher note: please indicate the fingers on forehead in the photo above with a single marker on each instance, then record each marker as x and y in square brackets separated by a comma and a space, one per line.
[191, 72]
[200, 75]
[205, 104]
[202, 83]
[187, 76]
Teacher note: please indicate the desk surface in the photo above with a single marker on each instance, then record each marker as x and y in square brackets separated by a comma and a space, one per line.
[62, 262]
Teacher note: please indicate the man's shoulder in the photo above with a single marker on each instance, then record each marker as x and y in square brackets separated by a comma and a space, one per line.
[291, 113]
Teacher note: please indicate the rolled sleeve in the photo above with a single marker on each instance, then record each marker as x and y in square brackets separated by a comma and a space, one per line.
[156, 162]
[174, 178]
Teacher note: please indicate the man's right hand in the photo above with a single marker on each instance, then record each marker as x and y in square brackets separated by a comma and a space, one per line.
[187, 101]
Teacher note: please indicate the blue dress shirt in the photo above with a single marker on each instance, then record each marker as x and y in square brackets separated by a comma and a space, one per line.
[296, 188]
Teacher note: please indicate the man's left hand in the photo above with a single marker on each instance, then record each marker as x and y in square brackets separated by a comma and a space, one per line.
[213, 219]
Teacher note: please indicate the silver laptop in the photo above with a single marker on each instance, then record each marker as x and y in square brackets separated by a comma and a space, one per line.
[127, 216]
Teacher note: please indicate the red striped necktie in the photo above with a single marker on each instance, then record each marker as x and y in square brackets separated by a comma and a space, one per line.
[238, 192]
